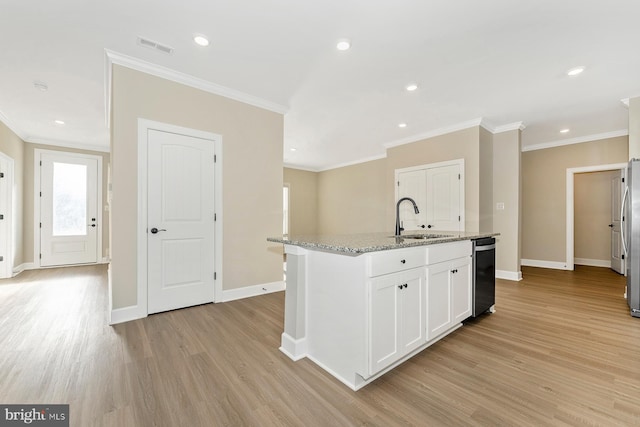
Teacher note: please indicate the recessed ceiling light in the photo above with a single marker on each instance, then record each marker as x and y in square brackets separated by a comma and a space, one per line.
[201, 40]
[411, 87]
[41, 86]
[575, 71]
[58, 122]
[402, 125]
[564, 131]
[343, 44]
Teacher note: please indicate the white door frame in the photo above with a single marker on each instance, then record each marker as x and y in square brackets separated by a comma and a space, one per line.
[144, 126]
[569, 263]
[7, 224]
[37, 155]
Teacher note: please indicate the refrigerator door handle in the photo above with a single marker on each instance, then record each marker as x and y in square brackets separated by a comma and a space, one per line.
[622, 224]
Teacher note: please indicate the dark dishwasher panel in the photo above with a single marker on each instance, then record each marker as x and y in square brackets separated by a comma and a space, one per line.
[484, 275]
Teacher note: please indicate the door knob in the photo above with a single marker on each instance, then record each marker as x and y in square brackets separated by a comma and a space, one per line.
[155, 230]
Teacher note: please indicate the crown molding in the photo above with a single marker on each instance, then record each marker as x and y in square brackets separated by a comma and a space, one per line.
[355, 162]
[112, 57]
[298, 167]
[625, 102]
[577, 140]
[433, 133]
[12, 127]
[508, 127]
[65, 144]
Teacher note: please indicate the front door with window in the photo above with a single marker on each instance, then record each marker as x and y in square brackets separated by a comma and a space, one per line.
[69, 223]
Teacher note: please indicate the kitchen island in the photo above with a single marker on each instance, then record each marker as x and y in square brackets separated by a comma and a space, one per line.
[359, 305]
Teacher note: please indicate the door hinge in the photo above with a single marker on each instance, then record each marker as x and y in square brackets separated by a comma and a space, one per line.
[215, 217]
[1, 174]
[40, 256]
[398, 183]
[622, 179]
[215, 158]
[40, 162]
[40, 225]
[41, 194]
[1, 216]
[215, 275]
[622, 256]
[458, 218]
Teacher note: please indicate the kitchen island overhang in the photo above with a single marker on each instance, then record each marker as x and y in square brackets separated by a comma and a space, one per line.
[359, 305]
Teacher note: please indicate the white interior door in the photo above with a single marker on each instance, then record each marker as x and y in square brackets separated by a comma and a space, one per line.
[68, 209]
[617, 259]
[6, 216]
[180, 221]
[443, 198]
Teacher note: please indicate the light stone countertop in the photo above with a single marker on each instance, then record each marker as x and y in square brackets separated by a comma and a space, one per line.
[354, 244]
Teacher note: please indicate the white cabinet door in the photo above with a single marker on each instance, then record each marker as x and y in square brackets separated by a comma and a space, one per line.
[396, 322]
[439, 316]
[413, 184]
[443, 198]
[448, 295]
[461, 289]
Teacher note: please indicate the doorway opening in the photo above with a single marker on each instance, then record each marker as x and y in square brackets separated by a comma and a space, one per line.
[570, 205]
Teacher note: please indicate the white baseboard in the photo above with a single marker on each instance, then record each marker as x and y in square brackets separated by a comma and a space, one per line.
[593, 262]
[22, 267]
[294, 349]
[252, 291]
[126, 314]
[544, 264]
[509, 275]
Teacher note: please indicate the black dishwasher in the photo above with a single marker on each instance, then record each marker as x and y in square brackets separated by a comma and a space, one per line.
[484, 275]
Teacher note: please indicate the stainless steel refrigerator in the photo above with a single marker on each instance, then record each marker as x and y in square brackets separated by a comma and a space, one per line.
[630, 221]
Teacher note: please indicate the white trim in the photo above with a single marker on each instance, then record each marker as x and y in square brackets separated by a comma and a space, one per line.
[434, 133]
[625, 102]
[577, 140]
[508, 127]
[294, 349]
[37, 156]
[65, 144]
[544, 264]
[126, 314]
[298, 167]
[252, 291]
[509, 275]
[112, 57]
[23, 267]
[144, 126]
[569, 250]
[593, 262]
[8, 223]
[8, 123]
[355, 162]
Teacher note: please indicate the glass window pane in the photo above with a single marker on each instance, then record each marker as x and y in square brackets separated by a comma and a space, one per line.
[69, 199]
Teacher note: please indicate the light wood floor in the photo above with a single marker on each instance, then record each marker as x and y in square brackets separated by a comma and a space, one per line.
[560, 350]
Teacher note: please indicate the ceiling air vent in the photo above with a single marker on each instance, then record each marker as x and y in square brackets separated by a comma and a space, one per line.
[154, 45]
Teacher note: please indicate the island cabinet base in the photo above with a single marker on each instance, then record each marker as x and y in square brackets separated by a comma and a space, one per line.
[359, 316]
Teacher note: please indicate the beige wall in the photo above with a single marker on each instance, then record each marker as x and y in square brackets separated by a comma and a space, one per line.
[12, 146]
[303, 201]
[634, 128]
[352, 199]
[507, 190]
[544, 192]
[592, 207]
[463, 144]
[252, 176]
[485, 199]
[29, 238]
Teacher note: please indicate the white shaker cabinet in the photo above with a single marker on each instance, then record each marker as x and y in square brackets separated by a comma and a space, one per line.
[448, 295]
[396, 317]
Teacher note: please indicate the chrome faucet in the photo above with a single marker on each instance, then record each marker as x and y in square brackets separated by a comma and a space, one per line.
[415, 208]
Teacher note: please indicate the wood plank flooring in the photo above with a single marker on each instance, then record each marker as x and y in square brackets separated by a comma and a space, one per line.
[560, 350]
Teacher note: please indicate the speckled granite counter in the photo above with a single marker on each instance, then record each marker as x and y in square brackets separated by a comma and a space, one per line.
[372, 242]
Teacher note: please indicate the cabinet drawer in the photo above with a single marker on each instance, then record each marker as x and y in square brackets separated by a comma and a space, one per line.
[448, 251]
[395, 260]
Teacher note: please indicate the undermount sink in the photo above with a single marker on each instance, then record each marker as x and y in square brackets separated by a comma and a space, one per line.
[422, 236]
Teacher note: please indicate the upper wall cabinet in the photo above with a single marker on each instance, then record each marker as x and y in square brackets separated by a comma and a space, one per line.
[438, 190]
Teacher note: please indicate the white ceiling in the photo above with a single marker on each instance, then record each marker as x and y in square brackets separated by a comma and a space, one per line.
[499, 60]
